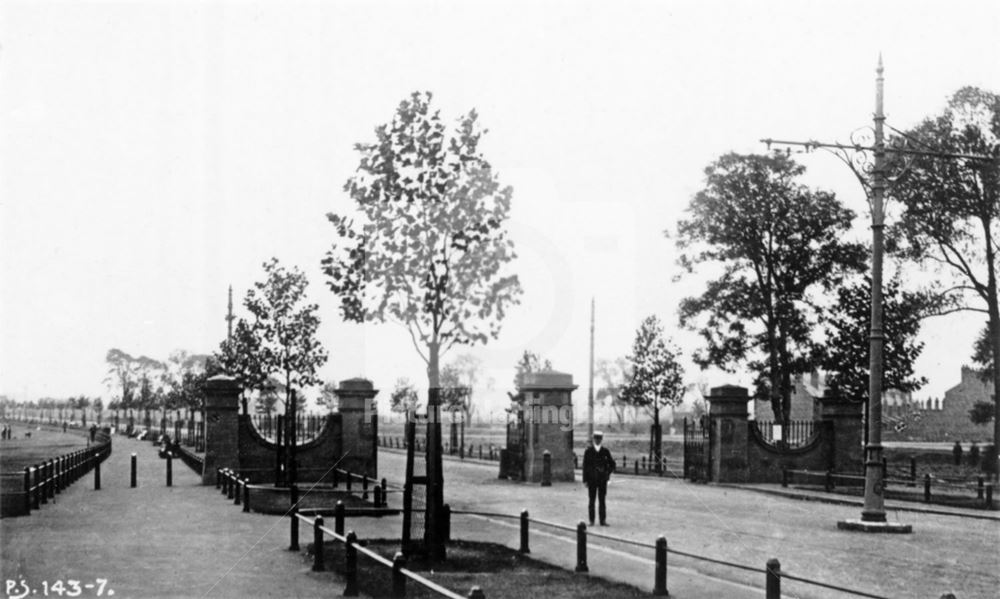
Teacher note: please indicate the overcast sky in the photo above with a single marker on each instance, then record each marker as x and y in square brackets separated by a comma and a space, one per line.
[153, 153]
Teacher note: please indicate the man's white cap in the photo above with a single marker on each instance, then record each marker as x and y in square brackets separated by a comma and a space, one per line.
[598, 434]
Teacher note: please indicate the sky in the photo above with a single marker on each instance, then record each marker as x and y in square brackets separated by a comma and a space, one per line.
[154, 153]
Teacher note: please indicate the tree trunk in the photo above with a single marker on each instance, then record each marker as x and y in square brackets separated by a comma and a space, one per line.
[433, 538]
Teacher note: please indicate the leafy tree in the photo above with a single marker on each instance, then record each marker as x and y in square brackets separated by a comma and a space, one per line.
[98, 408]
[426, 248]
[284, 328]
[455, 396]
[982, 355]
[613, 376]
[121, 376]
[529, 362]
[779, 245]
[951, 207]
[242, 358]
[981, 412]
[657, 377]
[404, 396]
[328, 396]
[468, 369]
[846, 350]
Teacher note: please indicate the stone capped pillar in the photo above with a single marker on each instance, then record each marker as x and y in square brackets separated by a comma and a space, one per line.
[548, 408]
[359, 422]
[845, 428]
[222, 399]
[728, 434]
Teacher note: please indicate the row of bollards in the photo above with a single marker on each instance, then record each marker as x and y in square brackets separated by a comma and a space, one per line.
[772, 570]
[44, 481]
[351, 556]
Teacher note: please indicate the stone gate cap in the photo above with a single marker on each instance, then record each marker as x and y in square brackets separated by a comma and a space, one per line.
[728, 391]
[356, 384]
[547, 379]
[221, 381]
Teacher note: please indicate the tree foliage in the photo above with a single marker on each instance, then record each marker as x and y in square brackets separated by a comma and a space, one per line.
[404, 396]
[657, 377]
[529, 362]
[283, 330]
[427, 247]
[845, 353]
[779, 244]
[613, 375]
[951, 207]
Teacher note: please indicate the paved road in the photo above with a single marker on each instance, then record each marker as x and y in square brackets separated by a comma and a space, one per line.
[945, 553]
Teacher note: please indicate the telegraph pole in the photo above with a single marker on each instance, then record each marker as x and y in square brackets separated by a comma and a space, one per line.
[230, 317]
[590, 389]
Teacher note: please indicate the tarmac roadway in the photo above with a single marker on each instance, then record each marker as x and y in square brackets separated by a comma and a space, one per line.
[945, 553]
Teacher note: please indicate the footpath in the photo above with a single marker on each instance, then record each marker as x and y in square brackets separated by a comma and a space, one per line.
[154, 541]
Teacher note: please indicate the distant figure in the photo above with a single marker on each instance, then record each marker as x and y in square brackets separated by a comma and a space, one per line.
[64, 426]
[93, 432]
[598, 465]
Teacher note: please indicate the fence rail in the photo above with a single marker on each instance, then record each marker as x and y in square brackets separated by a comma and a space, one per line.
[983, 490]
[42, 482]
[795, 433]
[274, 427]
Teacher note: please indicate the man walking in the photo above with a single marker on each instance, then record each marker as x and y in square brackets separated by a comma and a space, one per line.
[597, 468]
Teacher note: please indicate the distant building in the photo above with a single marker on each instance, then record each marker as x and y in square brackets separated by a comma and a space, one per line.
[942, 419]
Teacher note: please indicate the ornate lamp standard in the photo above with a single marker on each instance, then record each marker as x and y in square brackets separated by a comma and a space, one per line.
[869, 159]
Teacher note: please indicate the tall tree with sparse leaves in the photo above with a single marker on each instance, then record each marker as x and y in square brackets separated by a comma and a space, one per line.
[780, 246]
[426, 247]
[951, 208]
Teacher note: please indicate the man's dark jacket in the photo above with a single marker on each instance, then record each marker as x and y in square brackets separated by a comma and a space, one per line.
[597, 466]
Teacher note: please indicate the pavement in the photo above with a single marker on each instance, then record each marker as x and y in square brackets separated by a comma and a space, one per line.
[188, 541]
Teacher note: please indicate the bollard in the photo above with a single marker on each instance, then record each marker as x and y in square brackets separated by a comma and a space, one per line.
[398, 580]
[364, 487]
[581, 547]
[989, 496]
[351, 566]
[246, 494]
[635, 466]
[27, 490]
[377, 496]
[477, 593]
[229, 484]
[927, 487]
[170, 470]
[660, 575]
[524, 532]
[97, 475]
[784, 477]
[979, 488]
[222, 476]
[293, 530]
[237, 491]
[338, 518]
[385, 493]
[134, 464]
[318, 565]
[773, 579]
[446, 523]
[546, 468]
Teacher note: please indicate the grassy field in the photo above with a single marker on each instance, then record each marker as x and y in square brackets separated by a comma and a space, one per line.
[21, 451]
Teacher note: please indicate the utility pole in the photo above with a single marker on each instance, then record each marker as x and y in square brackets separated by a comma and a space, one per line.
[856, 156]
[590, 389]
[229, 317]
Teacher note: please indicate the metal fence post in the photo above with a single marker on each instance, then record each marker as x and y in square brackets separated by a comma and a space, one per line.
[446, 523]
[660, 575]
[338, 518]
[134, 465]
[318, 565]
[524, 532]
[784, 477]
[581, 548]
[989, 496]
[97, 475]
[237, 491]
[377, 496]
[293, 544]
[927, 487]
[398, 580]
[979, 487]
[230, 480]
[773, 579]
[385, 493]
[246, 494]
[351, 566]
[170, 470]
[547, 468]
[27, 490]
[218, 478]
